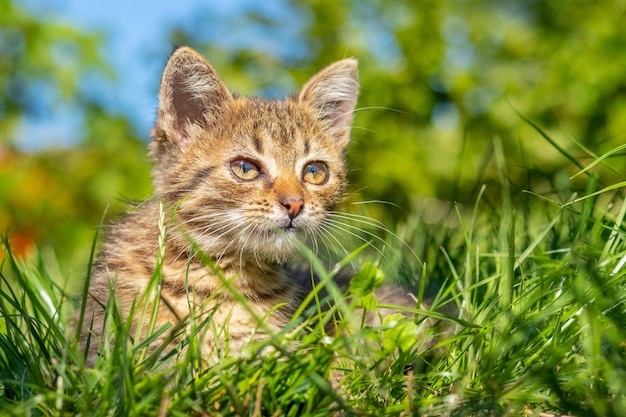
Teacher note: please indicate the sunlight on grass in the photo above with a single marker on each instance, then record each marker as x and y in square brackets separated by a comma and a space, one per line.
[525, 315]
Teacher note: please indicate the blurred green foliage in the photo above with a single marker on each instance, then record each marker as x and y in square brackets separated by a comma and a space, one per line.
[440, 80]
[56, 197]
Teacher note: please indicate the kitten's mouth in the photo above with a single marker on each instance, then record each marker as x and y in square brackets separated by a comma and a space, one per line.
[290, 228]
[286, 229]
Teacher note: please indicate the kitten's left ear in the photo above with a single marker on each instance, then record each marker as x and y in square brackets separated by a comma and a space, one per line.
[331, 94]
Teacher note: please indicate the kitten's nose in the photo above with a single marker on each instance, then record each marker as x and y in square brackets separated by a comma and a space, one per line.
[293, 205]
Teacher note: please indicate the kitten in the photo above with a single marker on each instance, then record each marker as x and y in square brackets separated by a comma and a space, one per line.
[237, 181]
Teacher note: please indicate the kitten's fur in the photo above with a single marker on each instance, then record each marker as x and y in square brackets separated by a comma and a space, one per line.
[205, 140]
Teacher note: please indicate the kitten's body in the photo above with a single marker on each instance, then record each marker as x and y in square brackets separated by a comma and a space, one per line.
[237, 180]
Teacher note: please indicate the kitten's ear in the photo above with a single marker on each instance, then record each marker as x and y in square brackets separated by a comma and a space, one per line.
[331, 94]
[191, 97]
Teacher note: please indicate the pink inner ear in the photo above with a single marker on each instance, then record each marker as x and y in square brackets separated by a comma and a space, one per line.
[192, 95]
[187, 109]
[340, 115]
[331, 94]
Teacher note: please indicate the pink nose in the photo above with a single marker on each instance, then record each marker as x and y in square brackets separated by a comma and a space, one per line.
[293, 205]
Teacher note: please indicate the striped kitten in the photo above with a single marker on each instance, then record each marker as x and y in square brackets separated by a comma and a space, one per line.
[237, 181]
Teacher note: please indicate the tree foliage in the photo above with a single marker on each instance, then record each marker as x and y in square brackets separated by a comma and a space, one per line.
[56, 197]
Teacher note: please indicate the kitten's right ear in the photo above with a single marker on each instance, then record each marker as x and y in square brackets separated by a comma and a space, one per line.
[192, 97]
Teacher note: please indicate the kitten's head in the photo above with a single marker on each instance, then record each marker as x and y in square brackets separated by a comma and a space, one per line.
[249, 175]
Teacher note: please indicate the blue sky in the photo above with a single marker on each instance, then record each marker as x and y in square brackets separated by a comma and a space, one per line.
[135, 45]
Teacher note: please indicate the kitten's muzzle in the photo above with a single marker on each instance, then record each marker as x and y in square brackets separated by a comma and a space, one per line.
[292, 205]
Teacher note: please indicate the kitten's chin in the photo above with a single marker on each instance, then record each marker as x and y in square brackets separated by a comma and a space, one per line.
[278, 245]
[271, 245]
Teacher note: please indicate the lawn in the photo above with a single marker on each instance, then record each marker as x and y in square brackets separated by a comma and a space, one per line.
[520, 302]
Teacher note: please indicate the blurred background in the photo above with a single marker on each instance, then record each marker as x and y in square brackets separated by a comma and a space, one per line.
[441, 83]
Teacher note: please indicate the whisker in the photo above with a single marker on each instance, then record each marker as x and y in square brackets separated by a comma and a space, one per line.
[248, 224]
[379, 108]
[209, 216]
[375, 224]
[328, 233]
[204, 231]
[327, 228]
[388, 203]
[361, 219]
[327, 243]
[345, 227]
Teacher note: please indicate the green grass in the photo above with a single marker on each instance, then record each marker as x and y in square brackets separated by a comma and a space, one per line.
[527, 316]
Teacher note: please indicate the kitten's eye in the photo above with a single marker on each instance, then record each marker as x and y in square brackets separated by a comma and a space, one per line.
[315, 173]
[245, 170]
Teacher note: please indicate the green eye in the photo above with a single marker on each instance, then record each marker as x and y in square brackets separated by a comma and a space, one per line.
[315, 173]
[245, 170]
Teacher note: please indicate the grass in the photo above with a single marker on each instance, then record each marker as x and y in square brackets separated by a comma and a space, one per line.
[526, 316]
